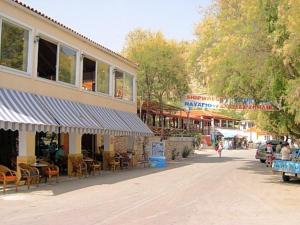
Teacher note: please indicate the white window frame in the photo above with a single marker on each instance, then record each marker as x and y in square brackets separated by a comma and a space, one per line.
[111, 78]
[59, 43]
[133, 97]
[28, 72]
[76, 66]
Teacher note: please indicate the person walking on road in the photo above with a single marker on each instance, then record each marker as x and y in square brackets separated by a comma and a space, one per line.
[220, 148]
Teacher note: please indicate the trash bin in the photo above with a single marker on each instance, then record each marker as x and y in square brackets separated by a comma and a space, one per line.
[157, 161]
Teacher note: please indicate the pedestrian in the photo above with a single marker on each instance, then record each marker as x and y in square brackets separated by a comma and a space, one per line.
[278, 148]
[286, 151]
[269, 155]
[220, 148]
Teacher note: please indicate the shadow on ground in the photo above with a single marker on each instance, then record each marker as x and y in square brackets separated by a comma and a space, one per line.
[271, 177]
[71, 184]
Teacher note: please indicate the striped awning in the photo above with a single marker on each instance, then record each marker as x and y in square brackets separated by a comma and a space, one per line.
[137, 126]
[109, 120]
[29, 112]
[72, 116]
[20, 111]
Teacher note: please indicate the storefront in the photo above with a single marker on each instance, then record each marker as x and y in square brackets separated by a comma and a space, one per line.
[59, 89]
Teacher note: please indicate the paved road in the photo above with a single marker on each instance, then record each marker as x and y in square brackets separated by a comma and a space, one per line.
[201, 190]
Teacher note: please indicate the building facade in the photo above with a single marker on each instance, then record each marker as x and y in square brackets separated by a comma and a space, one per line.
[55, 80]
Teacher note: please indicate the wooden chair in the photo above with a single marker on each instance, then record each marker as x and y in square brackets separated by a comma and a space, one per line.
[126, 161]
[50, 171]
[8, 176]
[144, 159]
[29, 174]
[95, 166]
[112, 162]
[79, 167]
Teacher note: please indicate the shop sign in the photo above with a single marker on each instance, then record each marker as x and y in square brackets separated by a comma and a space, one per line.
[193, 102]
[157, 149]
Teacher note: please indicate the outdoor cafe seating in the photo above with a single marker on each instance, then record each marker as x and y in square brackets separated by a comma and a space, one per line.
[79, 167]
[29, 174]
[50, 170]
[113, 162]
[8, 176]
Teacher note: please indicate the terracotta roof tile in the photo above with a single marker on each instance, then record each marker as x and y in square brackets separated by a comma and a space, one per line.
[38, 13]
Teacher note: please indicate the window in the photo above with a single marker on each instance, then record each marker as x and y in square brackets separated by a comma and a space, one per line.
[123, 85]
[119, 84]
[67, 65]
[103, 77]
[47, 60]
[14, 46]
[88, 74]
[50, 56]
[128, 87]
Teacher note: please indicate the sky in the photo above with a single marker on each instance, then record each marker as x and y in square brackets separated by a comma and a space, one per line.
[109, 21]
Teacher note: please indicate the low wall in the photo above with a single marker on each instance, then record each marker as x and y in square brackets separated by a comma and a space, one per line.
[172, 143]
[121, 144]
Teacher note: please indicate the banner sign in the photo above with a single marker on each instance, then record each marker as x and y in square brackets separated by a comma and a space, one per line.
[193, 101]
[157, 149]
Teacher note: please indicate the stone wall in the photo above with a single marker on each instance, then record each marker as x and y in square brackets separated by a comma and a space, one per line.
[121, 144]
[177, 144]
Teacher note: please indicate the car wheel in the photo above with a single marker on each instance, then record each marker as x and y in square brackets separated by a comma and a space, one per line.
[262, 160]
[285, 178]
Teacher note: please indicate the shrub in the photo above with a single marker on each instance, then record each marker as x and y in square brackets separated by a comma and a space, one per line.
[186, 151]
[174, 154]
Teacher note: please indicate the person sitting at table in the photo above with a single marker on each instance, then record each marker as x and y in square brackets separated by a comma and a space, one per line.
[59, 153]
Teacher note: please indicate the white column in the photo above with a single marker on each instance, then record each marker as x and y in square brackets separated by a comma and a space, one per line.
[26, 143]
[74, 143]
[227, 123]
[108, 143]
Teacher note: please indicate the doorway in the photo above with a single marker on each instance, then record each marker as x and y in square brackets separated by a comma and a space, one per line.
[8, 148]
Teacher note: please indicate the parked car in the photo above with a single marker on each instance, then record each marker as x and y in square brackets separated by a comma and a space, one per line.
[262, 149]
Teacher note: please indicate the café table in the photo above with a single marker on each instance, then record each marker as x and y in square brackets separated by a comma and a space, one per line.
[88, 162]
[40, 167]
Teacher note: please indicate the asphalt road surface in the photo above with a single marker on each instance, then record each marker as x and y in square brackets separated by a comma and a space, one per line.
[202, 190]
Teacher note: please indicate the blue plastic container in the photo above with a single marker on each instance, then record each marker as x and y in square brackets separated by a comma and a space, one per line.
[158, 161]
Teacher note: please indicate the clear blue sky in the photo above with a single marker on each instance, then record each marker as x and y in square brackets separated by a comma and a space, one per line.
[109, 21]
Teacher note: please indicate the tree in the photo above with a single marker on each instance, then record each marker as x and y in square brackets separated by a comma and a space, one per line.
[162, 72]
[251, 49]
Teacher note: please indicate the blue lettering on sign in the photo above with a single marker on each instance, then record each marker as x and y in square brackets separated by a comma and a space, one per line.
[194, 104]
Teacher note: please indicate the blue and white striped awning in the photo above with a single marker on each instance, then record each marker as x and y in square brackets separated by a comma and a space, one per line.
[72, 117]
[137, 126]
[20, 111]
[29, 112]
[110, 120]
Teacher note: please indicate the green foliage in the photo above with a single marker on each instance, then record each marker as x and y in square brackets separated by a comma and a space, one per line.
[14, 46]
[162, 72]
[252, 49]
[186, 152]
[174, 154]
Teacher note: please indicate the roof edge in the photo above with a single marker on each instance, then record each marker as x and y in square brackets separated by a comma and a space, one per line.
[37, 13]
